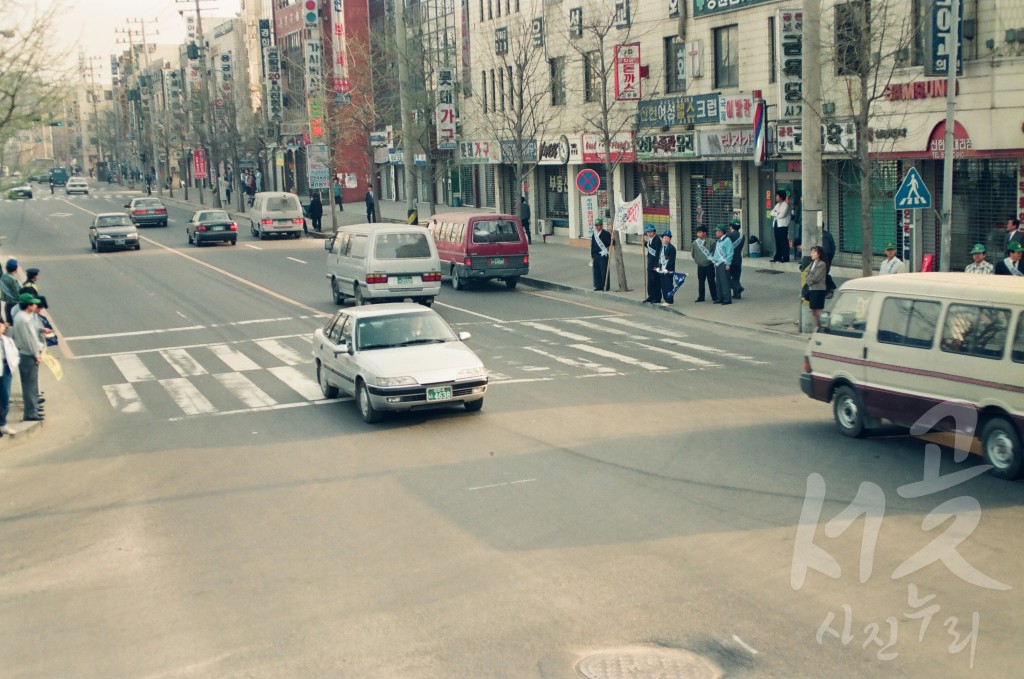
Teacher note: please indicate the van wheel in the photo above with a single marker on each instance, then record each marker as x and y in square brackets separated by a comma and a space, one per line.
[357, 296]
[1000, 444]
[326, 387]
[510, 283]
[366, 409]
[252, 228]
[457, 282]
[848, 411]
[336, 293]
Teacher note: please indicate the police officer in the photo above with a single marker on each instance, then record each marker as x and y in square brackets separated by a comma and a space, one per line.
[652, 250]
[599, 244]
[667, 265]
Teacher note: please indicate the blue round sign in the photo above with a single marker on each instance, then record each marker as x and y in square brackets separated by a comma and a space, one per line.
[588, 181]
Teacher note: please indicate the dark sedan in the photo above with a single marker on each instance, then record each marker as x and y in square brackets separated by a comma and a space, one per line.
[20, 191]
[147, 211]
[211, 226]
[112, 230]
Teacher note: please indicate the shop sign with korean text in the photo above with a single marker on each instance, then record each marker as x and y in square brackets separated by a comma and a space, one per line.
[445, 110]
[703, 8]
[736, 109]
[938, 39]
[275, 96]
[666, 146]
[339, 46]
[622, 148]
[693, 110]
[836, 137]
[727, 143]
[558, 151]
[316, 118]
[513, 151]
[475, 151]
[791, 63]
[199, 164]
[314, 67]
[627, 72]
[318, 166]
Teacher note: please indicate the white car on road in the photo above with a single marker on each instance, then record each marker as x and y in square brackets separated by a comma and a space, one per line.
[76, 185]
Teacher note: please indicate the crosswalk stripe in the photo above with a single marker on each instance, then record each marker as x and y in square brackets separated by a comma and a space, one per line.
[618, 357]
[233, 358]
[595, 326]
[302, 384]
[124, 398]
[555, 331]
[685, 358]
[281, 352]
[242, 387]
[132, 367]
[645, 327]
[182, 362]
[187, 396]
[714, 350]
[588, 365]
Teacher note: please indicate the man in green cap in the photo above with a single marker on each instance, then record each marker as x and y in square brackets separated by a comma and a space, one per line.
[979, 265]
[25, 333]
[891, 264]
[1011, 265]
[599, 244]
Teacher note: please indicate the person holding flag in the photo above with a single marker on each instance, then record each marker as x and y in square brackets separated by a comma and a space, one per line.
[599, 244]
[652, 250]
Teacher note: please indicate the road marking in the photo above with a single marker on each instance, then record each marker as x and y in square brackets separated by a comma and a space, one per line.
[247, 392]
[187, 396]
[750, 649]
[685, 358]
[561, 333]
[610, 331]
[715, 350]
[184, 346]
[181, 314]
[132, 367]
[588, 365]
[521, 380]
[279, 406]
[254, 247]
[585, 306]
[618, 357]
[302, 384]
[467, 311]
[233, 358]
[499, 485]
[646, 328]
[281, 352]
[183, 363]
[134, 333]
[297, 260]
[124, 398]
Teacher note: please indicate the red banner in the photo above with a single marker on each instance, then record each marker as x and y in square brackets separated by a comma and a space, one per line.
[199, 164]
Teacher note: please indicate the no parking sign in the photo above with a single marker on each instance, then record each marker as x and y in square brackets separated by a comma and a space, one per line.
[588, 181]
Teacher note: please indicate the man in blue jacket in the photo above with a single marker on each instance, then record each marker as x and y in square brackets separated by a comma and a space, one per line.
[722, 258]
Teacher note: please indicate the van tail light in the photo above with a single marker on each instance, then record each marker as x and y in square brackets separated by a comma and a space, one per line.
[265, 222]
[432, 277]
[201, 228]
[298, 221]
[233, 227]
[138, 212]
[807, 365]
[468, 262]
[526, 259]
[372, 278]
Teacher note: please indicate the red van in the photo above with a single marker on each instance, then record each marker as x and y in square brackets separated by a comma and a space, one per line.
[480, 247]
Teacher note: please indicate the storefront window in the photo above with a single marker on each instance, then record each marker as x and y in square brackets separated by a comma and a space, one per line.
[650, 180]
[710, 196]
[984, 197]
[555, 189]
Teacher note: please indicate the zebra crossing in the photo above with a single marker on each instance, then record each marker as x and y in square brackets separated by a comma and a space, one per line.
[277, 372]
[43, 194]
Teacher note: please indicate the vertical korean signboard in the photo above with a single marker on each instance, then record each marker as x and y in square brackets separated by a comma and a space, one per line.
[627, 72]
[339, 49]
[791, 65]
[445, 110]
[938, 39]
[199, 164]
[317, 166]
[314, 67]
[275, 96]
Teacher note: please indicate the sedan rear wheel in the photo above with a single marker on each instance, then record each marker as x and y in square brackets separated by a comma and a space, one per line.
[190, 239]
[366, 409]
[329, 390]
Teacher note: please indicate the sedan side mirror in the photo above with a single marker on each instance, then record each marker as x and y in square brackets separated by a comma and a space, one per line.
[463, 335]
[328, 244]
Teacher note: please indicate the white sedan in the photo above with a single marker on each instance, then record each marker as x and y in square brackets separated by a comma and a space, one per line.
[76, 185]
[397, 357]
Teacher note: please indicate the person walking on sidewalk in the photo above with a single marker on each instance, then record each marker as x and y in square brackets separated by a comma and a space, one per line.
[722, 259]
[599, 244]
[336, 189]
[736, 236]
[701, 249]
[10, 284]
[781, 215]
[30, 350]
[9, 359]
[524, 218]
[652, 252]
[371, 207]
[316, 211]
[667, 266]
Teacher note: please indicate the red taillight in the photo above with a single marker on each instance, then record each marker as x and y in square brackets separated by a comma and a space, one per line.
[138, 212]
[432, 277]
[161, 210]
[265, 222]
[807, 365]
[298, 221]
[468, 262]
[201, 228]
[526, 260]
[376, 278]
[233, 227]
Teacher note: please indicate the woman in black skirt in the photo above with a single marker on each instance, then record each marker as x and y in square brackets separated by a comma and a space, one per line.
[816, 274]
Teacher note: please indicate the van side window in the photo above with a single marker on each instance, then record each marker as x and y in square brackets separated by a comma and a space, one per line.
[849, 314]
[909, 322]
[1018, 341]
[975, 330]
[340, 243]
[495, 231]
[357, 246]
[458, 232]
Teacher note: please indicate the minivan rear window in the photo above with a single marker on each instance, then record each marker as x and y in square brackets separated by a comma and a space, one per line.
[282, 203]
[495, 231]
[402, 246]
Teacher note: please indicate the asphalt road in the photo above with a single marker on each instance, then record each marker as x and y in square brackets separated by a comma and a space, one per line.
[635, 480]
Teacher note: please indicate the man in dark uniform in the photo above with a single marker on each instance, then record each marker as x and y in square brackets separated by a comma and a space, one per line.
[736, 236]
[652, 249]
[667, 265]
[599, 244]
[1011, 266]
[524, 218]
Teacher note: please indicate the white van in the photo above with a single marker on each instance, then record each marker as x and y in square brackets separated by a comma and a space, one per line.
[275, 212]
[383, 262]
[894, 347]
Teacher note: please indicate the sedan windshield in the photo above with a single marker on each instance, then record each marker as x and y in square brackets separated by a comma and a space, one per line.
[214, 216]
[402, 330]
[147, 202]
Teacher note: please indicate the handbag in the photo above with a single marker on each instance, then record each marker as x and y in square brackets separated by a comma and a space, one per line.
[51, 339]
[805, 292]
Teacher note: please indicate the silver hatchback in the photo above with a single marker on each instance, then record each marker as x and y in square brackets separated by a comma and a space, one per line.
[397, 357]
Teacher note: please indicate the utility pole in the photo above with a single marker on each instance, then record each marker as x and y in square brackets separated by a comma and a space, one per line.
[207, 108]
[83, 60]
[946, 228]
[151, 118]
[130, 40]
[810, 157]
[401, 39]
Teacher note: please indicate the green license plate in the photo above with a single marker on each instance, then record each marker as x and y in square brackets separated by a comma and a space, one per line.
[497, 261]
[118, 242]
[439, 393]
[405, 280]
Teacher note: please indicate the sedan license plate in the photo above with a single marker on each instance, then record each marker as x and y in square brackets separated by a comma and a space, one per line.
[150, 212]
[405, 280]
[119, 242]
[439, 393]
[218, 227]
[497, 261]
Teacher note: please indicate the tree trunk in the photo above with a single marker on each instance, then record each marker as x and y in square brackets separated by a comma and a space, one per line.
[618, 239]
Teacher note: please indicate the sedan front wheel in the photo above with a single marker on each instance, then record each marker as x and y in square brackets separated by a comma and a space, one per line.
[366, 409]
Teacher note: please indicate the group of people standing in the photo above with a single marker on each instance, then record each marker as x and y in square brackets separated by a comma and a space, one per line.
[24, 332]
[719, 262]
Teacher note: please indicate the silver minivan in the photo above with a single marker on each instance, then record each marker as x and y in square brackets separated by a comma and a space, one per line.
[275, 212]
[383, 263]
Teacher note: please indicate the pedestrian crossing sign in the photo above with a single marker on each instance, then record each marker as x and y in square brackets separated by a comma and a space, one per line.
[913, 193]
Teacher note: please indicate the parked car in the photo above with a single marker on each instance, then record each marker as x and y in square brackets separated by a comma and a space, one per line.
[76, 185]
[211, 226]
[146, 211]
[20, 191]
[397, 357]
[383, 263]
[275, 212]
[480, 247]
[112, 230]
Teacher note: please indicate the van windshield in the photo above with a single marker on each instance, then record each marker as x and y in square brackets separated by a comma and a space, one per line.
[495, 231]
[282, 203]
[402, 246]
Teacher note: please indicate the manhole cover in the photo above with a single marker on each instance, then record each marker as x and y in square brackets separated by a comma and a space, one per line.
[641, 663]
[770, 272]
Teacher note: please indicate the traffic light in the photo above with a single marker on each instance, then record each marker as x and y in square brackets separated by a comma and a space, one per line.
[312, 12]
[193, 50]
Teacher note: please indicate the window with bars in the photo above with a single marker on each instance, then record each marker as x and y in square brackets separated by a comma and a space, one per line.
[984, 197]
[557, 68]
[885, 180]
[489, 189]
[710, 196]
[591, 65]
[727, 56]
[556, 192]
[467, 184]
[501, 89]
[483, 88]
